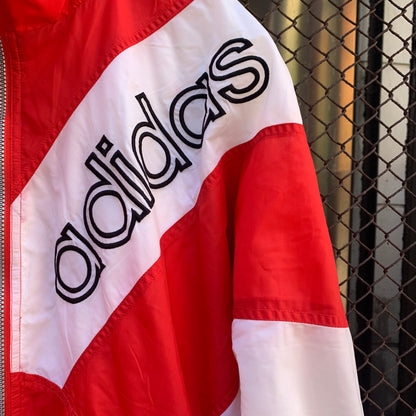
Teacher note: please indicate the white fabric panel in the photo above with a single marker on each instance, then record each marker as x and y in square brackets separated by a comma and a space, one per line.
[295, 369]
[54, 333]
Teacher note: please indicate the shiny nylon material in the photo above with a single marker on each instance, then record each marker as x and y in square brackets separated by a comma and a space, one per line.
[174, 252]
[353, 64]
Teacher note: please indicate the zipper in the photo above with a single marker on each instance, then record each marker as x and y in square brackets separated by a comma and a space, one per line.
[2, 229]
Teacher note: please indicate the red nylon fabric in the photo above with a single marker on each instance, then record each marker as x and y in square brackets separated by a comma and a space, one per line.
[174, 328]
[58, 54]
[29, 14]
[284, 267]
[34, 395]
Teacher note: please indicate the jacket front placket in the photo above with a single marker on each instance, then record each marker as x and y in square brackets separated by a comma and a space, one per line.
[2, 222]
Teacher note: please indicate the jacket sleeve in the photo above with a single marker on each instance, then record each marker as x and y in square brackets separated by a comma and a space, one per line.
[290, 334]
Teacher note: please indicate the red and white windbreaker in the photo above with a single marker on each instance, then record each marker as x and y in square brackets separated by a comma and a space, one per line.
[166, 252]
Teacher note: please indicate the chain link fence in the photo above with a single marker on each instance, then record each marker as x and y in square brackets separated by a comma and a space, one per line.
[353, 63]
